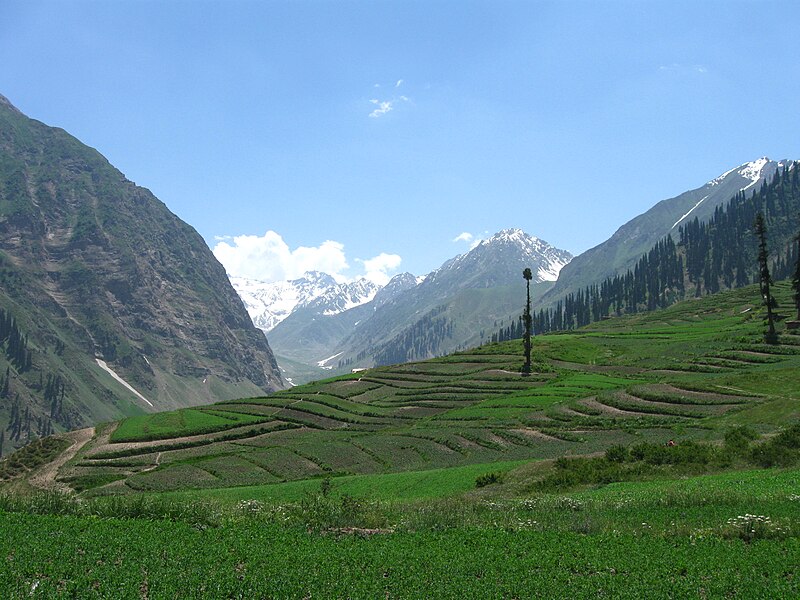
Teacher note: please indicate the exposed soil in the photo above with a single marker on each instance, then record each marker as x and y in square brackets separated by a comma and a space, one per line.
[610, 410]
[536, 434]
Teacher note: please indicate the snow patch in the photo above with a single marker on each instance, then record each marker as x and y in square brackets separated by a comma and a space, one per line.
[111, 372]
[690, 211]
[752, 170]
[322, 363]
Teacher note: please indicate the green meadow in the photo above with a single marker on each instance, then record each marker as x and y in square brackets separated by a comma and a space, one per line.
[652, 455]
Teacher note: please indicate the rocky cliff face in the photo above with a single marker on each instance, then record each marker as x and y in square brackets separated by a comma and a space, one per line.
[97, 267]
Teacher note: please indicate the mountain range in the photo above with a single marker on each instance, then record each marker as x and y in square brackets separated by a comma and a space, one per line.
[118, 307]
[453, 306]
[110, 305]
[321, 326]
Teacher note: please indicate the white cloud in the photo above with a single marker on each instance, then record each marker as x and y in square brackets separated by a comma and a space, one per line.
[679, 68]
[380, 269]
[269, 258]
[464, 237]
[384, 106]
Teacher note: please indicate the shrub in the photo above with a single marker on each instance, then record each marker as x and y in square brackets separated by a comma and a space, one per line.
[737, 440]
[617, 453]
[783, 450]
[488, 479]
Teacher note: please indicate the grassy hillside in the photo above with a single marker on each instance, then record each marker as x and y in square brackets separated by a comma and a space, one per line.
[432, 479]
[684, 373]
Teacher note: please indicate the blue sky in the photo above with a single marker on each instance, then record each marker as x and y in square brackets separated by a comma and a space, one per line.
[367, 136]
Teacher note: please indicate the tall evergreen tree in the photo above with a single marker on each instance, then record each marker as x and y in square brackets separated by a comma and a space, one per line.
[764, 277]
[526, 368]
[796, 279]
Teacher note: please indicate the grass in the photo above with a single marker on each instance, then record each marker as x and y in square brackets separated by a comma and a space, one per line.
[665, 538]
[179, 423]
[434, 478]
[252, 561]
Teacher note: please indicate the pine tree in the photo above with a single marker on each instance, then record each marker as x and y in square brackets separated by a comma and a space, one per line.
[764, 277]
[796, 279]
[526, 368]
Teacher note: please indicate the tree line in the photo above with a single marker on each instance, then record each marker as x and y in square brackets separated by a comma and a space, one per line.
[709, 256]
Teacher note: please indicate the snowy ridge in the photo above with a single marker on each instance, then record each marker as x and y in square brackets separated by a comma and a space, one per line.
[339, 298]
[270, 303]
[547, 259]
[507, 249]
[753, 171]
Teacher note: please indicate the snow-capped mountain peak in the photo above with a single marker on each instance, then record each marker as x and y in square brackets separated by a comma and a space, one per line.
[752, 171]
[499, 260]
[270, 303]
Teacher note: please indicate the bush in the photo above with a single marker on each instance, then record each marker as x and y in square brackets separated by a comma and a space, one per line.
[488, 479]
[737, 440]
[783, 450]
[617, 454]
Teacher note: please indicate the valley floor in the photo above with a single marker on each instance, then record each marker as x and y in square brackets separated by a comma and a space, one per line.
[447, 478]
[661, 539]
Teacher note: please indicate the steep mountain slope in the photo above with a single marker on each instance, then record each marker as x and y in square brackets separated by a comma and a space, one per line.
[705, 257]
[453, 307]
[621, 251]
[106, 284]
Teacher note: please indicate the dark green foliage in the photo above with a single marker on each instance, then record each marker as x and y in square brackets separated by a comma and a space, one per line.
[796, 276]
[621, 463]
[488, 479]
[31, 456]
[738, 439]
[617, 453]
[419, 341]
[15, 343]
[764, 277]
[526, 368]
[782, 450]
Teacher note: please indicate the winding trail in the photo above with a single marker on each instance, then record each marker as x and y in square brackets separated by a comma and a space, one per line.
[45, 477]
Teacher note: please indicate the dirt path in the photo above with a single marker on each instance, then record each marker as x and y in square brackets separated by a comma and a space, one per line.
[45, 477]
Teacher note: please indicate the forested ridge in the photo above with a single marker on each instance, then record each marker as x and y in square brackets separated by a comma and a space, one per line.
[709, 256]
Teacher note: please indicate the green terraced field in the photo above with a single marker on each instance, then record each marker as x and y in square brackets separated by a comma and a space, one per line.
[686, 372]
